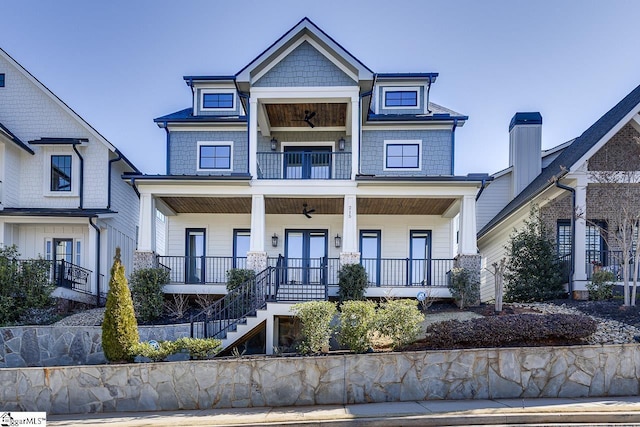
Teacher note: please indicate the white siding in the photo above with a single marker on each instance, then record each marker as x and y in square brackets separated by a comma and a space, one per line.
[31, 239]
[493, 199]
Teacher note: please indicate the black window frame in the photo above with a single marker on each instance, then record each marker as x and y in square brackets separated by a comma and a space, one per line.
[563, 237]
[214, 157]
[217, 102]
[402, 99]
[2, 79]
[393, 144]
[57, 172]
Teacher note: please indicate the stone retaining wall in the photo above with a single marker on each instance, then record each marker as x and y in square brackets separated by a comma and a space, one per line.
[22, 346]
[579, 371]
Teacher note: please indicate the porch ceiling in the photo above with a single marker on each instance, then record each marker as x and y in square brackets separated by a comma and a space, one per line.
[209, 204]
[282, 205]
[403, 206]
[292, 115]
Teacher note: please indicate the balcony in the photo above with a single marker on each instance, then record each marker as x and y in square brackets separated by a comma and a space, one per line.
[304, 165]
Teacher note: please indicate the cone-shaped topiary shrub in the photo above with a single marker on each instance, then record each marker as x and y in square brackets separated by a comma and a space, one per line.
[119, 328]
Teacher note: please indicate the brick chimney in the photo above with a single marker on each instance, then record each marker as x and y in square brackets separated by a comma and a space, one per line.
[525, 145]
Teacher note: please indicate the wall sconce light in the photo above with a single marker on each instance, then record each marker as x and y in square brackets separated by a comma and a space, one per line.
[341, 144]
[274, 144]
[274, 240]
[338, 241]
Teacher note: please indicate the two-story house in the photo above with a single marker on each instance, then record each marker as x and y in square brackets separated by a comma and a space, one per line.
[306, 160]
[61, 195]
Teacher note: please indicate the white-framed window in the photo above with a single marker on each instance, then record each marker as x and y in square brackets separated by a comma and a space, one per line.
[217, 100]
[61, 173]
[215, 156]
[403, 155]
[400, 97]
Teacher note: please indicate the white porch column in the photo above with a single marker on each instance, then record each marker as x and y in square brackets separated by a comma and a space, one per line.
[257, 257]
[355, 136]
[147, 229]
[579, 256]
[253, 137]
[2, 238]
[350, 254]
[468, 244]
[92, 260]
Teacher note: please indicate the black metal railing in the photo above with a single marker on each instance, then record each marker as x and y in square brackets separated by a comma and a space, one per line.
[71, 276]
[301, 279]
[200, 270]
[390, 272]
[607, 260]
[564, 263]
[304, 165]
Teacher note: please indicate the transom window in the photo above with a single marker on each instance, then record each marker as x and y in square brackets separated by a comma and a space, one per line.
[216, 157]
[1, 79]
[61, 173]
[402, 156]
[217, 100]
[401, 98]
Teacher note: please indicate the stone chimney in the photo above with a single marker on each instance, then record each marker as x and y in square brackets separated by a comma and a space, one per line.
[525, 145]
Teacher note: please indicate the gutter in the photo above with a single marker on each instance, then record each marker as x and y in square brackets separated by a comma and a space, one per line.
[111, 162]
[95, 227]
[248, 114]
[573, 233]
[81, 174]
[453, 142]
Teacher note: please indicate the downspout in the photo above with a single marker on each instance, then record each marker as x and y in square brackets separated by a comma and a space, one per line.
[428, 90]
[248, 114]
[111, 162]
[168, 154]
[453, 144]
[482, 187]
[81, 174]
[375, 78]
[573, 233]
[135, 187]
[95, 227]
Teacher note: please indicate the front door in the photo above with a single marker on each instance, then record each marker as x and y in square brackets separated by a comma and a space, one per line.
[370, 254]
[195, 255]
[305, 252]
[420, 260]
[307, 162]
[62, 253]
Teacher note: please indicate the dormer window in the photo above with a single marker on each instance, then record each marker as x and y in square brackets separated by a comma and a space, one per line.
[1, 79]
[400, 97]
[218, 101]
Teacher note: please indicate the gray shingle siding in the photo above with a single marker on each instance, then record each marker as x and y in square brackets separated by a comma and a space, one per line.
[305, 66]
[436, 151]
[183, 151]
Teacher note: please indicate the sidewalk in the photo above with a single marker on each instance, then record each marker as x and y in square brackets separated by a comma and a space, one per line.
[426, 413]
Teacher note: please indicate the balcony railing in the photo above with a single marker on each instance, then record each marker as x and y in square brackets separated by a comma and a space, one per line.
[388, 272]
[612, 261]
[205, 269]
[304, 165]
[74, 277]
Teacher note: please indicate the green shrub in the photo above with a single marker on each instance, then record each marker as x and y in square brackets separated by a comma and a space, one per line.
[119, 328]
[400, 321]
[357, 321]
[464, 288]
[145, 349]
[238, 276]
[199, 348]
[352, 282]
[517, 329]
[601, 286]
[533, 272]
[24, 286]
[315, 318]
[147, 292]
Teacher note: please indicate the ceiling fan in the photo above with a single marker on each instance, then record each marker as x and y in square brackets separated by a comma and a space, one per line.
[307, 212]
[308, 115]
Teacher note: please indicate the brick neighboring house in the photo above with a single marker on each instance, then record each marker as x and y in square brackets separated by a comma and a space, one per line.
[61, 192]
[303, 161]
[610, 144]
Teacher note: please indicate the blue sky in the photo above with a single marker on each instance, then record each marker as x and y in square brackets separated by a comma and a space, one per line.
[119, 64]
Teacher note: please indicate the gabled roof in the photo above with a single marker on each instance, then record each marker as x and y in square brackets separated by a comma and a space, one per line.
[570, 156]
[65, 107]
[15, 139]
[305, 26]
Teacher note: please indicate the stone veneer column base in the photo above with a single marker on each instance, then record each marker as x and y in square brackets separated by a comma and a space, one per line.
[256, 261]
[349, 258]
[473, 263]
[144, 260]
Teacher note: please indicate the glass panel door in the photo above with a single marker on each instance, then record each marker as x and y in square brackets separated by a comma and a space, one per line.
[420, 259]
[194, 255]
[307, 162]
[317, 254]
[370, 254]
[241, 241]
[62, 252]
[305, 251]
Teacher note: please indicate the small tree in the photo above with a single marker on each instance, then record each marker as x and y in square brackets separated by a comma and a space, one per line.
[352, 282]
[147, 292]
[357, 322]
[464, 289]
[532, 271]
[119, 328]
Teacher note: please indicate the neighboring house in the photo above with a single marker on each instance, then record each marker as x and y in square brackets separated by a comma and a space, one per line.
[549, 179]
[303, 161]
[61, 195]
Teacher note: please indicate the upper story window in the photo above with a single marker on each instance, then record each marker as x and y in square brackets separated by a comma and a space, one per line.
[218, 101]
[60, 173]
[1, 79]
[401, 98]
[403, 155]
[215, 155]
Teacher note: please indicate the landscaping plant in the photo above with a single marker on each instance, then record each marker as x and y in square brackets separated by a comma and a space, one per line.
[147, 292]
[601, 285]
[119, 328]
[357, 322]
[315, 318]
[352, 282]
[400, 321]
[463, 287]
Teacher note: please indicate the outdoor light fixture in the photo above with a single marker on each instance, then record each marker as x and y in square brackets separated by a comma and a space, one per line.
[274, 240]
[338, 241]
[274, 144]
[341, 144]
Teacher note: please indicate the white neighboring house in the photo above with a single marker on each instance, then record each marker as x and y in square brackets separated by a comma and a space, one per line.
[61, 192]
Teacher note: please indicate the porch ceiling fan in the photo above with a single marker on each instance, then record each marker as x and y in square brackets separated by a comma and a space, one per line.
[307, 212]
[308, 115]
